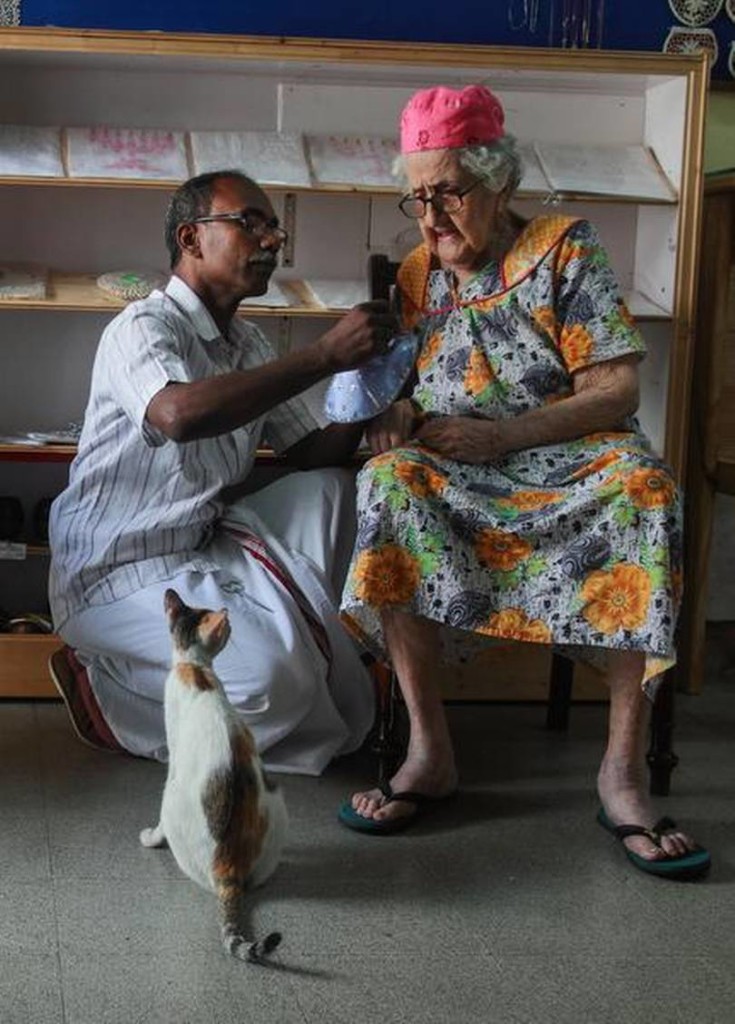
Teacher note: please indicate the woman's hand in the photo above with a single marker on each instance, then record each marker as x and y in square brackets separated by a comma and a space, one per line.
[392, 428]
[464, 438]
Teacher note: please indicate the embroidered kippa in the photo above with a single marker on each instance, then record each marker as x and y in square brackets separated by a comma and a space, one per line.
[130, 284]
[444, 118]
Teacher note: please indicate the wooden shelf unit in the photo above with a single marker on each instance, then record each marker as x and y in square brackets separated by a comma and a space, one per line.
[212, 82]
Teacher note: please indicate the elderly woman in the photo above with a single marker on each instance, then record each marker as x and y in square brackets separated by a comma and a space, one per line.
[512, 494]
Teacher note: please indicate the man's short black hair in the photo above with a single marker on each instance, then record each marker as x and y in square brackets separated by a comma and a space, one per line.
[191, 200]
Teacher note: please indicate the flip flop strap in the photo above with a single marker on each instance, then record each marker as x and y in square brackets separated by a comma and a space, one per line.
[662, 826]
[405, 794]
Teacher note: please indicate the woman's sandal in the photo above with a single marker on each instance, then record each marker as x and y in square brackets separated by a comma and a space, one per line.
[692, 864]
[422, 803]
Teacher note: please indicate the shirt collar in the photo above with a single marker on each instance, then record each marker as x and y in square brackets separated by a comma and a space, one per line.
[190, 302]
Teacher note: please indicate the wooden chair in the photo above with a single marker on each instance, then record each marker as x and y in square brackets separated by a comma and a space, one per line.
[711, 465]
[661, 759]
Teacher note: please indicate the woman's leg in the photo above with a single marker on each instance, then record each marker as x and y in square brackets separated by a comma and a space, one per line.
[622, 782]
[429, 768]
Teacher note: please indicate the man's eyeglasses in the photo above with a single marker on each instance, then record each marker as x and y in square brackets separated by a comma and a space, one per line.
[448, 201]
[253, 224]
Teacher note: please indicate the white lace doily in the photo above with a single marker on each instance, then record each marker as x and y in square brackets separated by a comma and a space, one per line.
[691, 40]
[9, 12]
[130, 284]
[695, 12]
[730, 8]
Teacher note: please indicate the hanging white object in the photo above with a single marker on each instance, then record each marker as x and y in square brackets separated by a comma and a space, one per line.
[695, 13]
[692, 40]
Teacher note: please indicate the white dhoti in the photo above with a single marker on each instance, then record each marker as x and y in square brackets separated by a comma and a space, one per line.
[305, 701]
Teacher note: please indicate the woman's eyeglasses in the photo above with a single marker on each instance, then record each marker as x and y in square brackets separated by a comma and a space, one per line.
[253, 224]
[449, 200]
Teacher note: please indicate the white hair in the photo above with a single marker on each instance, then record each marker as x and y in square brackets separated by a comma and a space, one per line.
[497, 164]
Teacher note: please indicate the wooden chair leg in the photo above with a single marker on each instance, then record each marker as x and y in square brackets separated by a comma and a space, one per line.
[661, 758]
[560, 693]
[384, 739]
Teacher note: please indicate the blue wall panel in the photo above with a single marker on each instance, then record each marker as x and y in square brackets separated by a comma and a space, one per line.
[640, 25]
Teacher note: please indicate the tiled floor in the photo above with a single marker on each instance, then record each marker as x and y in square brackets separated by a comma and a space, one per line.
[510, 906]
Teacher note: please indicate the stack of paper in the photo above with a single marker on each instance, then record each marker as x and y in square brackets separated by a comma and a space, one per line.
[30, 151]
[623, 171]
[334, 294]
[352, 160]
[271, 158]
[107, 152]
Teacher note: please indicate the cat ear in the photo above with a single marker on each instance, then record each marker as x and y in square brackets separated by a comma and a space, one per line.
[172, 603]
[218, 623]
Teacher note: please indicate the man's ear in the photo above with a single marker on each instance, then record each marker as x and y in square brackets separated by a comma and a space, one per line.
[187, 237]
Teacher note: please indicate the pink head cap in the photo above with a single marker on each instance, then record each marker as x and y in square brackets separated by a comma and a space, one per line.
[443, 118]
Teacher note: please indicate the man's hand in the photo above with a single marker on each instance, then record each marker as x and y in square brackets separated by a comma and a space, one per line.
[392, 428]
[464, 438]
[362, 333]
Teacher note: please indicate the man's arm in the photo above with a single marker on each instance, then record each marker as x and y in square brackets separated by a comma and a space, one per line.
[331, 446]
[217, 405]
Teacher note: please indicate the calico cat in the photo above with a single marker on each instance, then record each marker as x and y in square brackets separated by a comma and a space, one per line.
[222, 818]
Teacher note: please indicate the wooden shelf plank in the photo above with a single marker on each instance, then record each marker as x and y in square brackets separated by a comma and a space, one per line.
[79, 292]
[336, 189]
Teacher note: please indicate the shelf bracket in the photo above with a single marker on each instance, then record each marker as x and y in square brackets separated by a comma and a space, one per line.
[289, 224]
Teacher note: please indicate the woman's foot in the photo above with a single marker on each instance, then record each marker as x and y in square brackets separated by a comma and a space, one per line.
[624, 797]
[429, 776]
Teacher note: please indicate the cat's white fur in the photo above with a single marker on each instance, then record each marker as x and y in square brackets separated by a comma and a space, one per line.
[201, 725]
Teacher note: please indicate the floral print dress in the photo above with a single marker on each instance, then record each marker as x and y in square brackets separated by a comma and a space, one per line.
[575, 544]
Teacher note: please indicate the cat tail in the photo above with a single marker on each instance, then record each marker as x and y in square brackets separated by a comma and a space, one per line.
[230, 897]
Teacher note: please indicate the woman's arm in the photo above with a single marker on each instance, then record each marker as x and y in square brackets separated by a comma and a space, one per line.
[604, 395]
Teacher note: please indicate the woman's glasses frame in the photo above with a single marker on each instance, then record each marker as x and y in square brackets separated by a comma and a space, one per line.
[450, 200]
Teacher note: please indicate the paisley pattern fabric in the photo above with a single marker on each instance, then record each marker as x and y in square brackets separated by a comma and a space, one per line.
[575, 544]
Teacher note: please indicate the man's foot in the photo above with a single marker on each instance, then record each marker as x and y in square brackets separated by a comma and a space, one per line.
[428, 777]
[70, 679]
[624, 797]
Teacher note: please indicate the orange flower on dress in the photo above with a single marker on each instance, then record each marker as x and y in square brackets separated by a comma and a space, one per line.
[601, 462]
[650, 488]
[545, 318]
[526, 501]
[514, 624]
[429, 351]
[617, 599]
[386, 575]
[625, 315]
[501, 549]
[422, 480]
[576, 346]
[479, 374]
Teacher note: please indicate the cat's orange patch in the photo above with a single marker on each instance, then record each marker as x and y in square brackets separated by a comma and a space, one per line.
[196, 677]
[241, 845]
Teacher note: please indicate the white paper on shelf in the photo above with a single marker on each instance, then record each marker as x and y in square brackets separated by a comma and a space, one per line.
[352, 159]
[13, 551]
[22, 281]
[534, 179]
[30, 151]
[624, 171]
[271, 158]
[102, 151]
[334, 294]
[275, 296]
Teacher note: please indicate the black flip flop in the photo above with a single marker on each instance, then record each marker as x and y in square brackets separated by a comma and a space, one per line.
[692, 864]
[422, 802]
